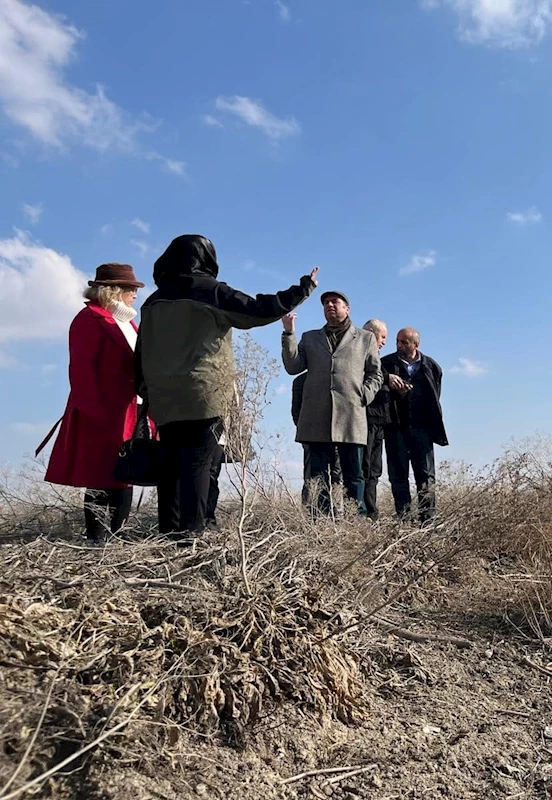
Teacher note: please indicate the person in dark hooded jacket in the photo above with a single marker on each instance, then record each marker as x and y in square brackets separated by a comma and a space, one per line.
[185, 368]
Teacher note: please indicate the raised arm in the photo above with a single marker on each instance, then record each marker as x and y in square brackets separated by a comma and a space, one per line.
[246, 312]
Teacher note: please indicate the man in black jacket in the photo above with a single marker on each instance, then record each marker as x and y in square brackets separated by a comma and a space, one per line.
[185, 368]
[416, 423]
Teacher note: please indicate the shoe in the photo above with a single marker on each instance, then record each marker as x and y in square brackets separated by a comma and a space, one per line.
[185, 538]
[95, 541]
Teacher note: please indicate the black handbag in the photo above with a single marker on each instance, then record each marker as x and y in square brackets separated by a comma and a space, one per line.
[139, 459]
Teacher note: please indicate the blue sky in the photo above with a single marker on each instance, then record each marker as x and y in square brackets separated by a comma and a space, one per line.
[402, 146]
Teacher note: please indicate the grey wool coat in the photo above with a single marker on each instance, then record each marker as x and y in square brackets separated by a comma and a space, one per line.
[339, 385]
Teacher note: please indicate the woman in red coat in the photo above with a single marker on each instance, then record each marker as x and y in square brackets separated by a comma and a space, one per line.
[101, 410]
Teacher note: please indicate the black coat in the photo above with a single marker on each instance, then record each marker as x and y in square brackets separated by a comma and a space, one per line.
[430, 376]
[378, 412]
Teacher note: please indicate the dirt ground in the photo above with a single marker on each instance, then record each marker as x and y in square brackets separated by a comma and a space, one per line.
[454, 702]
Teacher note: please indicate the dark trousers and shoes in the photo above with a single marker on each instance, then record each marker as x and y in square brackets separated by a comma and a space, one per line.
[336, 477]
[405, 447]
[106, 510]
[190, 450]
[372, 466]
[322, 457]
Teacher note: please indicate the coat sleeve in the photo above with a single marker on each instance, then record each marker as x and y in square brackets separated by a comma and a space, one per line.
[246, 312]
[293, 355]
[373, 375]
[85, 351]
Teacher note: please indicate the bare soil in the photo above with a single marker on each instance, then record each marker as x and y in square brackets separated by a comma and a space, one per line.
[220, 695]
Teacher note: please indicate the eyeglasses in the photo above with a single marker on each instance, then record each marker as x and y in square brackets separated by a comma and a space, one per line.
[130, 290]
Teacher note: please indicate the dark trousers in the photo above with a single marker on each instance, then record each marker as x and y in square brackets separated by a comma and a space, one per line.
[405, 446]
[106, 510]
[322, 455]
[189, 448]
[335, 473]
[214, 491]
[373, 467]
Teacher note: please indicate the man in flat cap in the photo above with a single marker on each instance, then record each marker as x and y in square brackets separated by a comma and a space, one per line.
[343, 377]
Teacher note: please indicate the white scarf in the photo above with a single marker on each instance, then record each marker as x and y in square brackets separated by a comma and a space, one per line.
[123, 314]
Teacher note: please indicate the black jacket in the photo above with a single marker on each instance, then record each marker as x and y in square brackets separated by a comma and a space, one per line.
[378, 412]
[428, 379]
[183, 359]
[297, 396]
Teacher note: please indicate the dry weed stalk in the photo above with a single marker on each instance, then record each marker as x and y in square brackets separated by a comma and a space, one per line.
[167, 645]
[254, 371]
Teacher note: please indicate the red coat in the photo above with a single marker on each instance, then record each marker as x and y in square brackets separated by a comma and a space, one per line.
[101, 410]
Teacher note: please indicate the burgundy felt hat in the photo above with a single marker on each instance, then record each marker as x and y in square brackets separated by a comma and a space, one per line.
[116, 275]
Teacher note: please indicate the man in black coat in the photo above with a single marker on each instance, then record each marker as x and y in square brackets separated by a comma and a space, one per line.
[416, 423]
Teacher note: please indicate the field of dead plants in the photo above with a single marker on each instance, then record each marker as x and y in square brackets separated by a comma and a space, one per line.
[281, 657]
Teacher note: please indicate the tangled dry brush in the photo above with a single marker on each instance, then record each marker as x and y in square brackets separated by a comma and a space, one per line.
[140, 653]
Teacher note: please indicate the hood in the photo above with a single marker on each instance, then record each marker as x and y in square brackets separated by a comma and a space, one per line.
[186, 255]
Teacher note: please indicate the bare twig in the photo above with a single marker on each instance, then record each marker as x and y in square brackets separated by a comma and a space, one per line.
[33, 737]
[326, 771]
[533, 665]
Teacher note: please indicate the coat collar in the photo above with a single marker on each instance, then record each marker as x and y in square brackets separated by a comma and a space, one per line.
[110, 322]
[397, 360]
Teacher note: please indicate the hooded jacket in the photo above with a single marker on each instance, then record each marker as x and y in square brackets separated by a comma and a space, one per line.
[183, 360]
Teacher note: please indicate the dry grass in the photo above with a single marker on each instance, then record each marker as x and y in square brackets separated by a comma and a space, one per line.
[141, 653]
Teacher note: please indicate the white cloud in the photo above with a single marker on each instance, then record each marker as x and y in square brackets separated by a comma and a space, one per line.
[35, 48]
[33, 213]
[175, 167]
[40, 290]
[141, 225]
[469, 368]
[528, 217]
[283, 388]
[212, 122]
[419, 263]
[143, 247]
[252, 113]
[283, 10]
[504, 23]
[107, 228]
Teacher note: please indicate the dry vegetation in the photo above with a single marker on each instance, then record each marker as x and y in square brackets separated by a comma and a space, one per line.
[372, 661]
[282, 657]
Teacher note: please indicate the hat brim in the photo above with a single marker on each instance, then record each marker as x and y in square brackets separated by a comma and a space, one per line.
[132, 284]
[335, 294]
